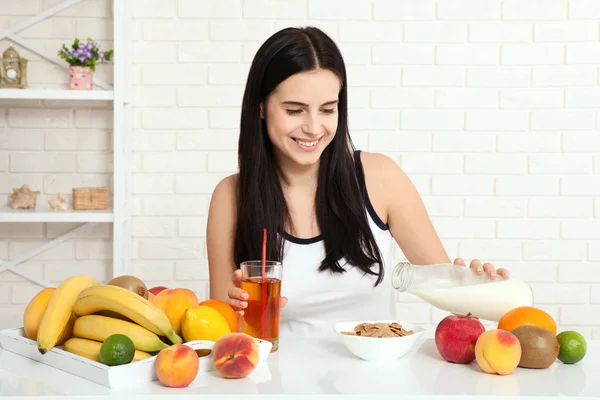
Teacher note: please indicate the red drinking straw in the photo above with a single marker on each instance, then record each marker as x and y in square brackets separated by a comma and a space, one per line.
[263, 314]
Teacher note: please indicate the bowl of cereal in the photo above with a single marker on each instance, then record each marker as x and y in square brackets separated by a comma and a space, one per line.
[379, 341]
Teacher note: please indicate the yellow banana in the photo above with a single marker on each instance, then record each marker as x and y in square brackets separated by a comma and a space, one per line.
[99, 327]
[128, 304]
[90, 349]
[59, 310]
[113, 314]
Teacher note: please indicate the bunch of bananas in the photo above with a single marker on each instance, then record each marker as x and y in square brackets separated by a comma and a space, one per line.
[81, 305]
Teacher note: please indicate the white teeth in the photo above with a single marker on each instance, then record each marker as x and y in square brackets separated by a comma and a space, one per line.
[307, 144]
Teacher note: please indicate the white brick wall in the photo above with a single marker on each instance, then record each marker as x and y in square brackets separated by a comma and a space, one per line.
[491, 106]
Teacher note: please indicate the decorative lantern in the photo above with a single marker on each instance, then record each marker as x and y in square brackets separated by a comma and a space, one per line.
[13, 73]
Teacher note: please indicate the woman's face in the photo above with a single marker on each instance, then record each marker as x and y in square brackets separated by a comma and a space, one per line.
[302, 116]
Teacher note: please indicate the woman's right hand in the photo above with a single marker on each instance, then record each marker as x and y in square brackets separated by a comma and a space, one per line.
[238, 298]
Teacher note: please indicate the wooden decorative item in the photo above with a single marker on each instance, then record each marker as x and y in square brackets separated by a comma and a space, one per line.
[90, 198]
[58, 204]
[13, 73]
[23, 197]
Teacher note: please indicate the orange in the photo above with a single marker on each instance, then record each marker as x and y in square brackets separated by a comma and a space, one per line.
[151, 297]
[203, 323]
[527, 315]
[225, 310]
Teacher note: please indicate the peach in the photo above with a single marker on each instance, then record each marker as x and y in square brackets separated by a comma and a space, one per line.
[174, 302]
[35, 311]
[177, 365]
[498, 351]
[235, 355]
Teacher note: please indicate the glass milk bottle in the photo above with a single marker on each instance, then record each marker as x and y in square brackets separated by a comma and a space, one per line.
[459, 290]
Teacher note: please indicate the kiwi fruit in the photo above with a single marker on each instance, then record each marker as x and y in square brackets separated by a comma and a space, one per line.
[539, 346]
[131, 283]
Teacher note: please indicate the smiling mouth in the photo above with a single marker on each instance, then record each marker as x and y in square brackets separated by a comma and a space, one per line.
[307, 143]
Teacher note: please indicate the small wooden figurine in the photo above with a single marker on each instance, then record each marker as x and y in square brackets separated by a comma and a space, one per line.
[23, 197]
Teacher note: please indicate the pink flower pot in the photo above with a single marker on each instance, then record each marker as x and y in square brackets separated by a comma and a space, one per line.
[81, 78]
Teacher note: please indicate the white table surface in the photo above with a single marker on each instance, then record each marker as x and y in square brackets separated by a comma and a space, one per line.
[323, 369]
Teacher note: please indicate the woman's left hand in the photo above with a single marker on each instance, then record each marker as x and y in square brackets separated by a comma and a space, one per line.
[481, 268]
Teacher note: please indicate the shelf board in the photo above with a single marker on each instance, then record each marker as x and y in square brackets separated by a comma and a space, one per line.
[42, 214]
[54, 94]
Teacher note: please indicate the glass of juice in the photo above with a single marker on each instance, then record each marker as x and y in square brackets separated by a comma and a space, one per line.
[261, 317]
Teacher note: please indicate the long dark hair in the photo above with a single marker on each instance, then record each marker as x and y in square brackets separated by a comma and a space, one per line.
[340, 207]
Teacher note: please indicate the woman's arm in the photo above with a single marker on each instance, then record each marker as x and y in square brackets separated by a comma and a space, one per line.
[220, 237]
[396, 200]
[225, 277]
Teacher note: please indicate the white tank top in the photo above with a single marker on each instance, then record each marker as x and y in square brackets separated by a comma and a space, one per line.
[318, 300]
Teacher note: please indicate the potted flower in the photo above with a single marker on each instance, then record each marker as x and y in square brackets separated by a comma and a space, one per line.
[83, 57]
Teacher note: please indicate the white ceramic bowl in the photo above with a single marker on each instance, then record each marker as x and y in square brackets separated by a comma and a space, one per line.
[379, 349]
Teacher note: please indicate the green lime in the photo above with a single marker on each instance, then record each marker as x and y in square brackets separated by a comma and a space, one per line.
[117, 349]
[572, 347]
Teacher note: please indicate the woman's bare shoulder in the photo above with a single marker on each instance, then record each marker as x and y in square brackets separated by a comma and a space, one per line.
[227, 186]
[229, 181]
[224, 196]
[380, 168]
[379, 172]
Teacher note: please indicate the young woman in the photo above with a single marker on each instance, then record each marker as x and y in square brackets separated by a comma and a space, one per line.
[332, 213]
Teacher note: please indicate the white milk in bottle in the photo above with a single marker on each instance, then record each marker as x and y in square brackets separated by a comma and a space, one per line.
[459, 290]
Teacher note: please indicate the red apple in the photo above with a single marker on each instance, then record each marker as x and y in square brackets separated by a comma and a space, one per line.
[456, 336]
[157, 289]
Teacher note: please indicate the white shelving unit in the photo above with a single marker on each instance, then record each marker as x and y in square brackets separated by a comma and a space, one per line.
[42, 94]
[118, 94]
[41, 214]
